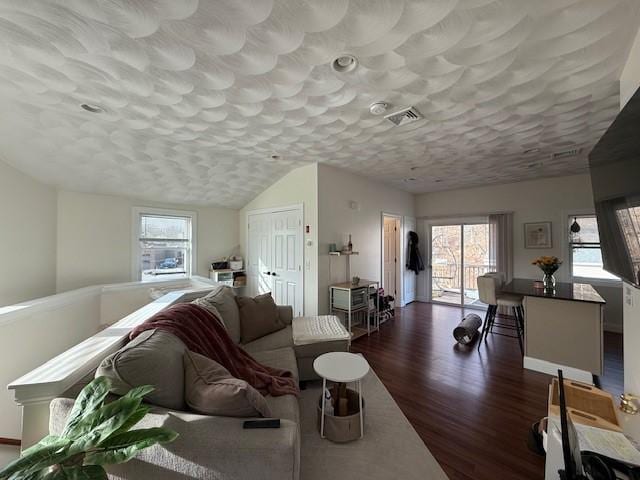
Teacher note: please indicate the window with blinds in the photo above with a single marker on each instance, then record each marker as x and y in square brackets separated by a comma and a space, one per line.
[165, 246]
[584, 249]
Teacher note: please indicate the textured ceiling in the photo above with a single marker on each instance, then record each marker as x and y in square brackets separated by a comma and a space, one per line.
[200, 94]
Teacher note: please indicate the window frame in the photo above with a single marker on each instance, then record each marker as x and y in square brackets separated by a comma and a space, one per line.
[568, 220]
[136, 251]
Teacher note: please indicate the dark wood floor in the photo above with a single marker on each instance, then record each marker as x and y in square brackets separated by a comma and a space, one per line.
[472, 409]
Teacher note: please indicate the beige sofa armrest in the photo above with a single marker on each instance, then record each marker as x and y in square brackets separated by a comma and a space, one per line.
[210, 448]
[286, 313]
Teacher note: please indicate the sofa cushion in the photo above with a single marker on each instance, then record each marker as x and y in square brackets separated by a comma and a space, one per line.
[282, 358]
[211, 390]
[258, 317]
[152, 358]
[205, 303]
[284, 407]
[280, 339]
[223, 300]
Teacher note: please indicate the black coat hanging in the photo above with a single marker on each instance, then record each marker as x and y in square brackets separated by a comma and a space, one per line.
[414, 259]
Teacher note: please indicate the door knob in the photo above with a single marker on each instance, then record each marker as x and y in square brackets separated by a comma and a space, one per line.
[273, 274]
[267, 273]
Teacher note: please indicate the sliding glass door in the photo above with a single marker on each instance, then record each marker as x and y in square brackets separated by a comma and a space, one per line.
[459, 254]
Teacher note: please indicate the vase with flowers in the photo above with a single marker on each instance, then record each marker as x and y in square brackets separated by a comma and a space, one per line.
[549, 265]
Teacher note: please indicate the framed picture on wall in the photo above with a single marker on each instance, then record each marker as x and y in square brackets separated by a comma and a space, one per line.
[537, 235]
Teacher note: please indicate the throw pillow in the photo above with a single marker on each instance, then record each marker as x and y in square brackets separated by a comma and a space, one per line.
[204, 302]
[258, 317]
[152, 358]
[223, 300]
[211, 390]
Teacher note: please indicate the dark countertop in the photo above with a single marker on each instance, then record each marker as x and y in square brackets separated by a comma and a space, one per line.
[577, 292]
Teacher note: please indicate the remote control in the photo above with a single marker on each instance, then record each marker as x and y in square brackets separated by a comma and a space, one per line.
[265, 423]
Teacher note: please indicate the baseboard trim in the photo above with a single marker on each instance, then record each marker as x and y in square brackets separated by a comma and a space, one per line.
[551, 368]
[14, 442]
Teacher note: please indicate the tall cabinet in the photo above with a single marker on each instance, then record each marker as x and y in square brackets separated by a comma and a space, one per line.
[275, 255]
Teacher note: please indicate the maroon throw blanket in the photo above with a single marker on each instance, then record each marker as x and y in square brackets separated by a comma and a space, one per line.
[203, 333]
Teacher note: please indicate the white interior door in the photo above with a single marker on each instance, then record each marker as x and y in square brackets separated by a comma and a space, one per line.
[389, 282]
[410, 278]
[259, 242]
[286, 271]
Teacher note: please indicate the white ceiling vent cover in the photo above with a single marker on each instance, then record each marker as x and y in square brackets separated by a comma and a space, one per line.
[566, 153]
[402, 117]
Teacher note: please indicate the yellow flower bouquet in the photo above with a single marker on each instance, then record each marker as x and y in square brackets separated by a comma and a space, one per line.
[548, 264]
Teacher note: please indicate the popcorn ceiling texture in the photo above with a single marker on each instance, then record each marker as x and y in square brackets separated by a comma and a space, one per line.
[200, 94]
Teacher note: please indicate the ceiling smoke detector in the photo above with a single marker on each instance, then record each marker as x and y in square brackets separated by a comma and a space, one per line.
[402, 117]
[90, 107]
[378, 108]
[344, 63]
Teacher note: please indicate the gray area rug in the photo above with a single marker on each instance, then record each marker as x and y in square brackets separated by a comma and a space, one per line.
[390, 449]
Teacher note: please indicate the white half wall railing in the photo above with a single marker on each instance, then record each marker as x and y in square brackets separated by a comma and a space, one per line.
[53, 342]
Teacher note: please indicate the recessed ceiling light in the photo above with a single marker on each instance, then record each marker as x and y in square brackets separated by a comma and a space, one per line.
[531, 150]
[90, 107]
[344, 63]
[378, 108]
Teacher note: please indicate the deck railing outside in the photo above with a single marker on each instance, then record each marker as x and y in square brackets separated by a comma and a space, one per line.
[447, 277]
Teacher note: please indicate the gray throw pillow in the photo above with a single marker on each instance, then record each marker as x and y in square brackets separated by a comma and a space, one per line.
[211, 390]
[223, 300]
[204, 302]
[258, 317]
[152, 358]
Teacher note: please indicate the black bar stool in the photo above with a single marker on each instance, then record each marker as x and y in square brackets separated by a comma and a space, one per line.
[488, 289]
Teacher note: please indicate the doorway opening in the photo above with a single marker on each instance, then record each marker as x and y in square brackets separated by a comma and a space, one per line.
[459, 255]
[392, 256]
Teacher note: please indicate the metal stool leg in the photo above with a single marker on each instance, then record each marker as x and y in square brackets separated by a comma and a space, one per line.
[484, 325]
[516, 314]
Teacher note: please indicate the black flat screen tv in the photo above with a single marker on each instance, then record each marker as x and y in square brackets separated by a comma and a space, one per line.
[614, 164]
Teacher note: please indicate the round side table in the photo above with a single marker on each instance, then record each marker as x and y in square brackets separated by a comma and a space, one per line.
[341, 367]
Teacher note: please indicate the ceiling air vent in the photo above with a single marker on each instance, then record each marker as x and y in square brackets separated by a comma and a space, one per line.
[566, 153]
[402, 117]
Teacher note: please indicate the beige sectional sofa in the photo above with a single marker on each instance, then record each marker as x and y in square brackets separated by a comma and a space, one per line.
[218, 448]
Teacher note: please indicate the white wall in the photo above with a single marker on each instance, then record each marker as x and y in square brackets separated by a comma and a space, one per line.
[336, 219]
[547, 199]
[31, 336]
[629, 83]
[27, 237]
[630, 77]
[94, 238]
[298, 186]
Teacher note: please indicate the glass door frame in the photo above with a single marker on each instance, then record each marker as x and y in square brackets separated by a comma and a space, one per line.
[457, 222]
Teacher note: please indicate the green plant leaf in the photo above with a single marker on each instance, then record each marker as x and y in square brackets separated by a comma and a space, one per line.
[38, 475]
[90, 398]
[99, 425]
[45, 442]
[138, 415]
[84, 472]
[140, 392]
[37, 460]
[92, 420]
[124, 446]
